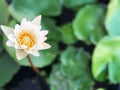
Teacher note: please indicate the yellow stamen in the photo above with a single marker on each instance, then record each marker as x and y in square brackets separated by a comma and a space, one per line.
[27, 39]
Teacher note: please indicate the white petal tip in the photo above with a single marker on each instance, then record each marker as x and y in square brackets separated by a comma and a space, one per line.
[20, 54]
[46, 46]
[37, 55]
[7, 30]
[37, 20]
[38, 17]
[2, 26]
[19, 59]
[49, 46]
[44, 32]
[24, 19]
[10, 43]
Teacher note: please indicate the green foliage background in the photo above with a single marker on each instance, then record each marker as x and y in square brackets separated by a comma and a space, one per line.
[94, 24]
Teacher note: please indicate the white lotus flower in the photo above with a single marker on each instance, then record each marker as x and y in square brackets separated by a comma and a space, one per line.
[26, 38]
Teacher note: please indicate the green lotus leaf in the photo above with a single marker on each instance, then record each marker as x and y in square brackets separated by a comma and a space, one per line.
[112, 21]
[106, 60]
[88, 24]
[31, 8]
[4, 15]
[75, 3]
[7, 68]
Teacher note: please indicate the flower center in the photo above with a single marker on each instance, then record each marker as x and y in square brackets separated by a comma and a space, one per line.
[27, 39]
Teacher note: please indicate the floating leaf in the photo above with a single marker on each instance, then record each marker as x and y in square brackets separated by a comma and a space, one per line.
[12, 23]
[88, 24]
[7, 68]
[106, 60]
[71, 60]
[50, 25]
[68, 36]
[101, 89]
[73, 3]
[72, 73]
[60, 82]
[1, 46]
[112, 21]
[3, 12]
[30, 8]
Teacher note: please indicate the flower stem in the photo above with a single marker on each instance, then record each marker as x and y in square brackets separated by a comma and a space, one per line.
[33, 67]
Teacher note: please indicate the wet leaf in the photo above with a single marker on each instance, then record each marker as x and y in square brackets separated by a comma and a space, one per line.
[89, 27]
[72, 73]
[112, 21]
[67, 34]
[106, 60]
[60, 82]
[3, 12]
[50, 25]
[74, 60]
[74, 3]
[30, 8]
[7, 68]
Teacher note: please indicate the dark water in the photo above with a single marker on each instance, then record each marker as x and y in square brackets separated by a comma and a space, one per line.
[26, 79]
